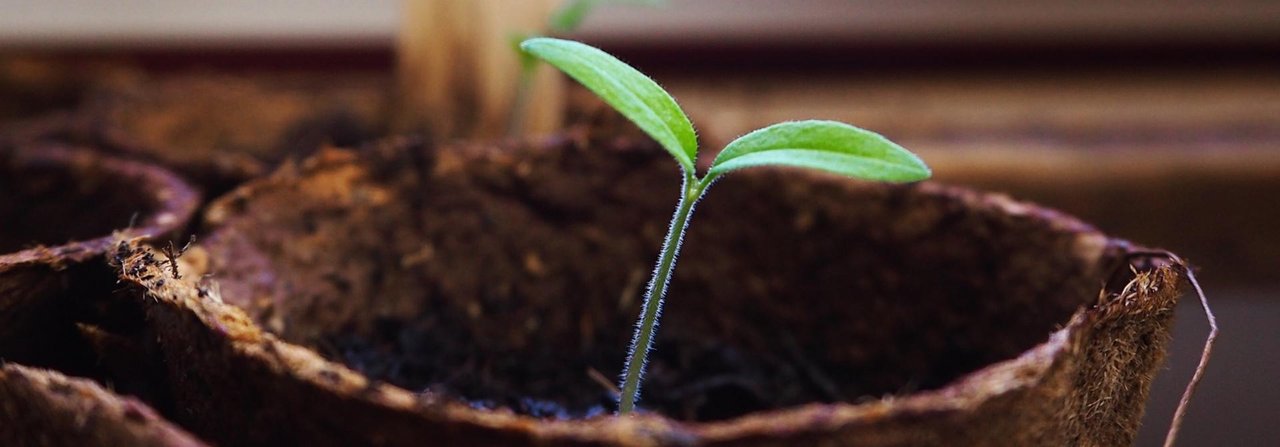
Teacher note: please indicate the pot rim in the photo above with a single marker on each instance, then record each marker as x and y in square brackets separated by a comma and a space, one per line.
[102, 412]
[175, 201]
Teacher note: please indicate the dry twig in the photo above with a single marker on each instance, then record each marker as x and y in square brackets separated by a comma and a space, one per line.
[1179, 414]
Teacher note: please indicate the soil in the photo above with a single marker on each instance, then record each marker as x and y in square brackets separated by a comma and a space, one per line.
[510, 277]
[687, 380]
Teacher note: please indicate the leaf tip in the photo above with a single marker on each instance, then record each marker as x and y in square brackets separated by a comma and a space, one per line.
[922, 171]
[532, 44]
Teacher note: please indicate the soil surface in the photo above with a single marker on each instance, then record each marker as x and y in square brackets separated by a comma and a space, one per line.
[511, 277]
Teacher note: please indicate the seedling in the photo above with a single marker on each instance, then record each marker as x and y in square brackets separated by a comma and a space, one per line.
[822, 145]
[573, 12]
[566, 19]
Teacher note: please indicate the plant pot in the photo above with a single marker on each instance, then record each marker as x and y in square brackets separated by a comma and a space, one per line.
[43, 408]
[62, 209]
[477, 295]
[219, 130]
[33, 85]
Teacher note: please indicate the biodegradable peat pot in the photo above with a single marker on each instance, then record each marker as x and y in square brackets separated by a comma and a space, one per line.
[219, 130]
[45, 408]
[33, 84]
[60, 210]
[400, 296]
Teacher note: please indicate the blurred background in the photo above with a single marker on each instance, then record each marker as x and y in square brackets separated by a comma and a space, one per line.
[1158, 121]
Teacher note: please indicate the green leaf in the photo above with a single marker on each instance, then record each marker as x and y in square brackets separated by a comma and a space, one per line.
[570, 16]
[626, 89]
[824, 145]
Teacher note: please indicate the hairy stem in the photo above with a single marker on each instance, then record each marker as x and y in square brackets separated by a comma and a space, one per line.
[648, 324]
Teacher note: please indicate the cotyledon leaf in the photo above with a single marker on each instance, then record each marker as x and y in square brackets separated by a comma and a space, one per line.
[573, 12]
[823, 145]
[633, 94]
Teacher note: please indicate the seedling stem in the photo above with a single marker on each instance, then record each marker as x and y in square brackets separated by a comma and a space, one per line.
[642, 342]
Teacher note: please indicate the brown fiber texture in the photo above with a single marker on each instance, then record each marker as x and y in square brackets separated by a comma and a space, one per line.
[404, 294]
[218, 129]
[60, 209]
[46, 408]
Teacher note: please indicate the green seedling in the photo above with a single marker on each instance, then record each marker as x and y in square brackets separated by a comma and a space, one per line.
[564, 20]
[822, 145]
[570, 16]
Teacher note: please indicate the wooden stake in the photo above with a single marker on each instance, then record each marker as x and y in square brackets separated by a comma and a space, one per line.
[458, 70]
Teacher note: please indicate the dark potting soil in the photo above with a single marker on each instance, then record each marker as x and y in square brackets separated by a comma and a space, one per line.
[510, 277]
[688, 380]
